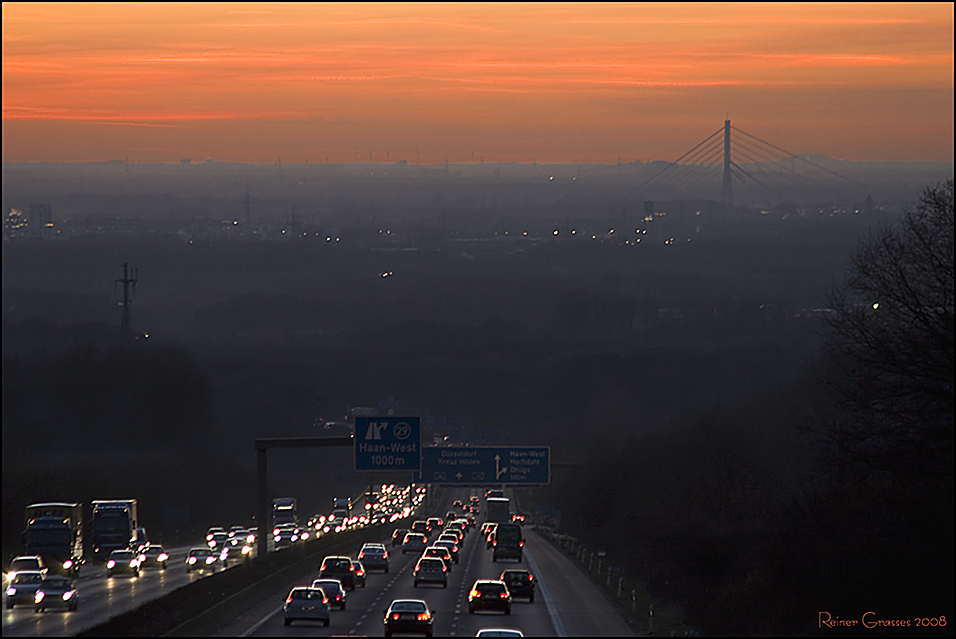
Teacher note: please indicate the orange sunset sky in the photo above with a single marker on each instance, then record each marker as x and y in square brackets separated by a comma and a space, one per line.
[564, 83]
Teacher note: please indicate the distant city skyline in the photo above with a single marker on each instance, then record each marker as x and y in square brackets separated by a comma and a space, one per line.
[426, 83]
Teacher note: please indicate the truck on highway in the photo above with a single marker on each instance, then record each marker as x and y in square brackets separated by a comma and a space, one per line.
[54, 531]
[507, 542]
[285, 511]
[498, 510]
[112, 526]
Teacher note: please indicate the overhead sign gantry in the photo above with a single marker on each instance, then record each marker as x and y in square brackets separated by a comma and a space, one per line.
[474, 465]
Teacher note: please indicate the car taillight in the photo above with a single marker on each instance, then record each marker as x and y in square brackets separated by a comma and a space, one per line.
[352, 568]
[444, 568]
[474, 593]
[520, 544]
[423, 616]
[361, 555]
[395, 616]
[503, 595]
[289, 600]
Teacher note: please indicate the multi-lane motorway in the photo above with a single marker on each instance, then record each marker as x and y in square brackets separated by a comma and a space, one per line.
[100, 599]
[566, 604]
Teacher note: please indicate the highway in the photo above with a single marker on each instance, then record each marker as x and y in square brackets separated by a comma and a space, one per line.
[101, 598]
[566, 603]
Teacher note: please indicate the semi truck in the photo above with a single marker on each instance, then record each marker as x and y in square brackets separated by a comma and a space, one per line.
[284, 511]
[54, 531]
[112, 526]
[498, 510]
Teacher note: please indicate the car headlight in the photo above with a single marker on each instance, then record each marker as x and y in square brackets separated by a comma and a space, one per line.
[111, 563]
[38, 597]
[67, 564]
[67, 595]
[211, 559]
[162, 557]
[191, 560]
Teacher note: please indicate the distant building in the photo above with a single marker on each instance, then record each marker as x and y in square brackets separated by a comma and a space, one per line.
[40, 221]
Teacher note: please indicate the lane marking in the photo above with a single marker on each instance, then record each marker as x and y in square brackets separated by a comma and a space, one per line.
[261, 622]
[552, 610]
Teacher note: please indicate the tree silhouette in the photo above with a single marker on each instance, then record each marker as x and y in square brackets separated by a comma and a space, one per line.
[889, 347]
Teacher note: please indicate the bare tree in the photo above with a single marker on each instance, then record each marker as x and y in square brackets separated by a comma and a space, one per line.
[889, 346]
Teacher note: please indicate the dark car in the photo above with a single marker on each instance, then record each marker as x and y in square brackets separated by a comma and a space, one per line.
[408, 615]
[398, 536]
[490, 534]
[123, 562]
[55, 592]
[520, 583]
[338, 567]
[421, 526]
[488, 594]
[414, 542]
[452, 547]
[154, 557]
[217, 541]
[23, 588]
[334, 590]
[359, 573]
[201, 559]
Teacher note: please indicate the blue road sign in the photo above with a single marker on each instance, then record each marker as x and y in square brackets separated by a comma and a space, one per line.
[388, 443]
[473, 465]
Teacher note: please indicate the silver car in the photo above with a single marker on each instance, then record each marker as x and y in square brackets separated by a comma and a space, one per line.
[23, 588]
[307, 604]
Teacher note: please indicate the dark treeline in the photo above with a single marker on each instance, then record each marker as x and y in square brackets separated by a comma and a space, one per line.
[683, 377]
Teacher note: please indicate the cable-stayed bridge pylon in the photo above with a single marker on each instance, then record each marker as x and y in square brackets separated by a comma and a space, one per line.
[763, 172]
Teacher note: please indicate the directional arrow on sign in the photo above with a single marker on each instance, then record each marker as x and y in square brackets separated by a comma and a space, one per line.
[498, 471]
